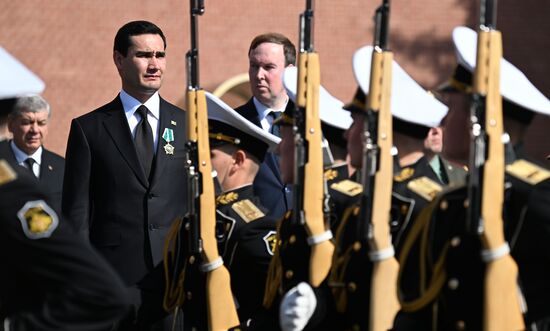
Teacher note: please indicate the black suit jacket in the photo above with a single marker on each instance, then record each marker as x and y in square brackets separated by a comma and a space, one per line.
[268, 184]
[52, 168]
[107, 194]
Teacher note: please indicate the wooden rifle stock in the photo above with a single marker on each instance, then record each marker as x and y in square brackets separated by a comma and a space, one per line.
[221, 310]
[501, 298]
[307, 98]
[384, 303]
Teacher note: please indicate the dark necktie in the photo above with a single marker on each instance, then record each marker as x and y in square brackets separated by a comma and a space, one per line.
[274, 128]
[144, 141]
[29, 162]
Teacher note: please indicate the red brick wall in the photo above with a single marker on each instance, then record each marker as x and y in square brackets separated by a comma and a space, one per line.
[69, 44]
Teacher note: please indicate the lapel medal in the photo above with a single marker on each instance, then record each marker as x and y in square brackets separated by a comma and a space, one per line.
[168, 136]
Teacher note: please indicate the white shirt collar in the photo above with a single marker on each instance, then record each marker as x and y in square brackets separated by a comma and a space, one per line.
[21, 156]
[131, 104]
[263, 110]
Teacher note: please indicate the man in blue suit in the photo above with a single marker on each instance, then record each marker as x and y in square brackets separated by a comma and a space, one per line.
[269, 54]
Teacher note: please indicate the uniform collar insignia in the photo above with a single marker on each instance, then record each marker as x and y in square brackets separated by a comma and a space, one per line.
[405, 174]
[227, 198]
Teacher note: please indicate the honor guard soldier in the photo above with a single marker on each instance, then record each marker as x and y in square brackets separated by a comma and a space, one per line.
[525, 201]
[246, 230]
[51, 277]
[414, 112]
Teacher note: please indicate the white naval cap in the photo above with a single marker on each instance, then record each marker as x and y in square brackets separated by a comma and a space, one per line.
[16, 79]
[331, 109]
[514, 85]
[240, 130]
[409, 101]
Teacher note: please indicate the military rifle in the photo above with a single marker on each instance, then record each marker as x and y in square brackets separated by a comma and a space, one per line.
[377, 179]
[200, 222]
[308, 176]
[501, 307]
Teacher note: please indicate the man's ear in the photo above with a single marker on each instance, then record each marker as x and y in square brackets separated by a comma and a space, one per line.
[239, 157]
[117, 59]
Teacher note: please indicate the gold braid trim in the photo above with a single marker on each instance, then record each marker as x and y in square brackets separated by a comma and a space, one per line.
[174, 290]
[275, 271]
[429, 293]
[340, 263]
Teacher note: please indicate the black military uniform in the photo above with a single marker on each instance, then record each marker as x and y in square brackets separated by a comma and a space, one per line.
[245, 230]
[51, 278]
[248, 240]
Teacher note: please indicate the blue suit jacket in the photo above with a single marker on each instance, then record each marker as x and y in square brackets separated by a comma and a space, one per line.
[268, 185]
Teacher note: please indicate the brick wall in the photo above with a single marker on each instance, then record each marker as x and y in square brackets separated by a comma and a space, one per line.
[69, 44]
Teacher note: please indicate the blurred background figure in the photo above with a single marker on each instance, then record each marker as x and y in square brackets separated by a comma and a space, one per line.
[28, 124]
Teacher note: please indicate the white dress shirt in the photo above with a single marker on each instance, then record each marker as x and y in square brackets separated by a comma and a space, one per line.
[131, 104]
[21, 156]
[263, 111]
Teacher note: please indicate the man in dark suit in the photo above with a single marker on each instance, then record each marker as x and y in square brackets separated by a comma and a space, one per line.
[51, 279]
[125, 177]
[28, 123]
[269, 54]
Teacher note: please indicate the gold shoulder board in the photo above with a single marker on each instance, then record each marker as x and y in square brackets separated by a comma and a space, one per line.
[527, 172]
[247, 210]
[425, 187]
[347, 187]
[7, 174]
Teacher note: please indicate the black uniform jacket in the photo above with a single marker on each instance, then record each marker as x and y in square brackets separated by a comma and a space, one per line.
[51, 279]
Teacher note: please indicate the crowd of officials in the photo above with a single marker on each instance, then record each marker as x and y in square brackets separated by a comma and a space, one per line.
[82, 238]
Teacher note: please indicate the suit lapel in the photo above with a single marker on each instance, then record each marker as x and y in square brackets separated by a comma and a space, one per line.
[116, 125]
[165, 121]
[46, 169]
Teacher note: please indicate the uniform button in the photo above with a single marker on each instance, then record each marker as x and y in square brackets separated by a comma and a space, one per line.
[460, 325]
[189, 295]
[455, 241]
[191, 259]
[289, 274]
[453, 283]
[357, 246]
[444, 205]
[352, 287]
[292, 239]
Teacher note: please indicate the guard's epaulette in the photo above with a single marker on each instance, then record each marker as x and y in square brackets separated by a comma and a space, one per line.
[247, 210]
[347, 187]
[527, 172]
[405, 174]
[226, 198]
[425, 187]
[7, 174]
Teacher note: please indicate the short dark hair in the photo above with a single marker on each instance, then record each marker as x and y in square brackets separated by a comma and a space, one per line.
[276, 38]
[134, 28]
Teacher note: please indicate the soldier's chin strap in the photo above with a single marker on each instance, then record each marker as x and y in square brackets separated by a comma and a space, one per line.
[211, 266]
